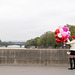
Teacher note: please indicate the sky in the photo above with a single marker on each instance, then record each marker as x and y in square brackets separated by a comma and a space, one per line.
[21, 20]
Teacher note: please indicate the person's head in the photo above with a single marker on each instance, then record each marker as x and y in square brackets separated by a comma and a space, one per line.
[73, 37]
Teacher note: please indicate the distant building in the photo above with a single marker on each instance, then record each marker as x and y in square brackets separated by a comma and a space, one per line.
[32, 47]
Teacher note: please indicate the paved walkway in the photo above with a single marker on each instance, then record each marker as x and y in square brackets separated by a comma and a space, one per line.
[35, 70]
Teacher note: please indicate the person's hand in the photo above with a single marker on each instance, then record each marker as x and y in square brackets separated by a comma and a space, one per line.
[68, 53]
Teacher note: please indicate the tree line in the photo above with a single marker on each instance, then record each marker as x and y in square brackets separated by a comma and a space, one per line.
[48, 39]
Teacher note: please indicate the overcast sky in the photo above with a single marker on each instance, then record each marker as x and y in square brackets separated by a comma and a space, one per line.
[21, 20]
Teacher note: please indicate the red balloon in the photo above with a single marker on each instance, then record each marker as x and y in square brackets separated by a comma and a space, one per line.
[63, 37]
[57, 31]
[60, 38]
[58, 41]
[56, 36]
[65, 40]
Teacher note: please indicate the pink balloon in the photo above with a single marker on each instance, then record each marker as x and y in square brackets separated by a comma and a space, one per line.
[68, 36]
[60, 27]
[64, 33]
[65, 29]
[61, 30]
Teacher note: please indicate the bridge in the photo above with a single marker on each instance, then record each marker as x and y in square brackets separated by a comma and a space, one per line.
[12, 43]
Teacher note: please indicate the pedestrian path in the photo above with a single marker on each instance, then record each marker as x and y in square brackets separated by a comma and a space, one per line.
[35, 70]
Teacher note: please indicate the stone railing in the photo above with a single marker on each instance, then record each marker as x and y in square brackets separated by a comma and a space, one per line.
[34, 56]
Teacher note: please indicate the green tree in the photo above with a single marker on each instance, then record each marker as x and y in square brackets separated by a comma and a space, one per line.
[48, 39]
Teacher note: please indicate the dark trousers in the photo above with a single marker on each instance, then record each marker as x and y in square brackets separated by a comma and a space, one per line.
[74, 62]
[71, 63]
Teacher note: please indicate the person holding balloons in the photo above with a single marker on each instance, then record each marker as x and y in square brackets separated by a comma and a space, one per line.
[62, 35]
[71, 52]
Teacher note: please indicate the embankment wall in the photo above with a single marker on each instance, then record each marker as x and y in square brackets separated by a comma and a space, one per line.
[34, 56]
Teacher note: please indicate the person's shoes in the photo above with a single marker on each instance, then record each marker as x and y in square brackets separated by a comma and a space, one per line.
[70, 68]
[73, 67]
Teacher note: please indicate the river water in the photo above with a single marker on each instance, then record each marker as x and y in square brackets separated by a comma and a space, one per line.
[13, 46]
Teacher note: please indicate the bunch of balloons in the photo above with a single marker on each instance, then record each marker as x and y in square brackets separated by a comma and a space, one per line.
[62, 33]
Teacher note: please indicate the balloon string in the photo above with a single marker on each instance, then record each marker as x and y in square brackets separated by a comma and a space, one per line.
[64, 44]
